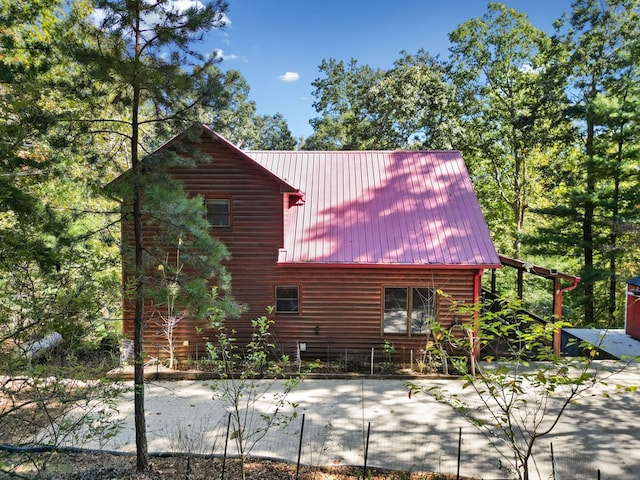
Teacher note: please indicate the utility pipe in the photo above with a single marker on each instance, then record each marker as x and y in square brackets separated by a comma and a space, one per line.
[475, 348]
[557, 313]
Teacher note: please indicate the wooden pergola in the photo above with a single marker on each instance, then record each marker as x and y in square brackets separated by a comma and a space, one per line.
[562, 282]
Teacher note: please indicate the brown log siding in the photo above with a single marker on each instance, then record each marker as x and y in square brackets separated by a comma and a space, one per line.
[340, 306]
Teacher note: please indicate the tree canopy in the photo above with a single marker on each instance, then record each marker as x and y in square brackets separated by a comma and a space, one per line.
[363, 108]
[548, 124]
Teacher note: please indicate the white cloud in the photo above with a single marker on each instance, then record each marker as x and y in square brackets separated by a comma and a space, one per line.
[97, 17]
[220, 55]
[528, 68]
[158, 15]
[182, 5]
[289, 77]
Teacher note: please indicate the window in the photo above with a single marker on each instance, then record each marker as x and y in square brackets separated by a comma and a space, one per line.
[287, 299]
[409, 310]
[395, 310]
[219, 212]
[423, 309]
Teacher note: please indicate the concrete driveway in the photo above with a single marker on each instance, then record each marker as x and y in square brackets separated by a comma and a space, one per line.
[600, 432]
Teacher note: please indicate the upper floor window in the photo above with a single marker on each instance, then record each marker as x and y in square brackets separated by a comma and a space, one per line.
[219, 212]
[409, 310]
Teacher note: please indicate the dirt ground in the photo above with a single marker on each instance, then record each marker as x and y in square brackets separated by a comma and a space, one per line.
[87, 466]
[589, 437]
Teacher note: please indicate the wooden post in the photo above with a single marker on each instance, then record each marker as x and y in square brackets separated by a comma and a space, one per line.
[520, 283]
[557, 309]
[493, 281]
[557, 315]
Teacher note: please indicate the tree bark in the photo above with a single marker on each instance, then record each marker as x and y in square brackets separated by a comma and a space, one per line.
[142, 454]
[142, 457]
[589, 209]
[613, 236]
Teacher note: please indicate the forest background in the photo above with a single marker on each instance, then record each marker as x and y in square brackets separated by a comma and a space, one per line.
[548, 125]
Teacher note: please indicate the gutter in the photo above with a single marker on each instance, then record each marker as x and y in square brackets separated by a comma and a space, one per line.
[422, 266]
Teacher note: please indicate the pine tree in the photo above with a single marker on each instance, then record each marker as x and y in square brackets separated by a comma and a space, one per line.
[143, 62]
[599, 199]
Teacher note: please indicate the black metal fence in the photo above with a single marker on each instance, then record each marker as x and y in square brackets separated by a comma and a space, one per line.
[401, 446]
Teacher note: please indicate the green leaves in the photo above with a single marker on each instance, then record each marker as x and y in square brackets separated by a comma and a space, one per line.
[521, 395]
[362, 108]
[507, 106]
[591, 215]
[250, 376]
[628, 388]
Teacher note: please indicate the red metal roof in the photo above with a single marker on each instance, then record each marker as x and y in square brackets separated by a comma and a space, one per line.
[381, 208]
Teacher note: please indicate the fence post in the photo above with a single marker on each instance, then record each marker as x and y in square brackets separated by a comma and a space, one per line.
[300, 448]
[197, 361]
[346, 360]
[372, 355]
[366, 453]
[459, 453]
[157, 361]
[226, 443]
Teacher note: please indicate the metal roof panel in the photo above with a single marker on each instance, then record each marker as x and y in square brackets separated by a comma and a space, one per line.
[378, 208]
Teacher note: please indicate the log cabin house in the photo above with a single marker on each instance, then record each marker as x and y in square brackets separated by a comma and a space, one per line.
[351, 247]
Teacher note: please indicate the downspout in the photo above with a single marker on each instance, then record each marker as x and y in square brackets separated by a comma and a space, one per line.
[558, 312]
[477, 277]
[475, 348]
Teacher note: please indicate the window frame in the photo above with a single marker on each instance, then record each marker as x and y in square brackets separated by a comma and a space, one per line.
[277, 299]
[409, 309]
[209, 201]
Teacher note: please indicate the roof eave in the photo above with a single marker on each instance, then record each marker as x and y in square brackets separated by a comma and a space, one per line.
[440, 266]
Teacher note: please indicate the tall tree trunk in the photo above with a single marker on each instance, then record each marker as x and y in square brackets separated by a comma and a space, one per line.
[142, 457]
[613, 235]
[142, 454]
[519, 195]
[589, 209]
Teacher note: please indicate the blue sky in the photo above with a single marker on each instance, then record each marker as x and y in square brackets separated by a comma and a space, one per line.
[278, 45]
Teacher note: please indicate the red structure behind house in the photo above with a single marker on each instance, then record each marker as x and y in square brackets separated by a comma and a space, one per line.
[632, 313]
[351, 248]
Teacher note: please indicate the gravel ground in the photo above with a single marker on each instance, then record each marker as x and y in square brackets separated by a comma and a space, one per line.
[598, 432]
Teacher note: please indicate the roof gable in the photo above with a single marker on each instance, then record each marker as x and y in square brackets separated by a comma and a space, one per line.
[190, 137]
[381, 208]
[285, 186]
